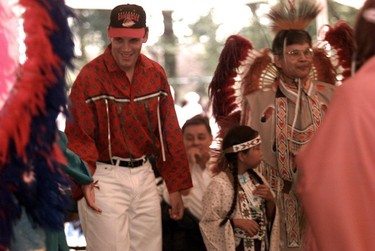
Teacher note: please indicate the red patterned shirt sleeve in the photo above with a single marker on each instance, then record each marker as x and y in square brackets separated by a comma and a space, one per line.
[175, 170]
[80, 126]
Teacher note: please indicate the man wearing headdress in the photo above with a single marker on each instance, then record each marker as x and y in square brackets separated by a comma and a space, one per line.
[287, 115]
[284, 95]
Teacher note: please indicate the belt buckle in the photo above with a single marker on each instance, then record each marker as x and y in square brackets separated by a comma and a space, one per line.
[131, 163]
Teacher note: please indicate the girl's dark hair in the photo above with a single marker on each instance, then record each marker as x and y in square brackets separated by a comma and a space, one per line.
[290, 37]
[236, 135]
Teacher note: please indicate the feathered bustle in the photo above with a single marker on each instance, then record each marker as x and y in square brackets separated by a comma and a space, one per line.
[221, 88]
[323, 69]
[257, 72]
[341, 39]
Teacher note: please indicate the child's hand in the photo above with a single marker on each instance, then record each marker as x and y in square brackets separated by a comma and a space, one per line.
[249, 226]
[264, 192]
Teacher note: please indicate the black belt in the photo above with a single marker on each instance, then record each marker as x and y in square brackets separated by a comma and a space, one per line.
[125, 163]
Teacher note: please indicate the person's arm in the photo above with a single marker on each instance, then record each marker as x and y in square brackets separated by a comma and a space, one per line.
[175, 168]
[80, 129]
[176, 212]
[216, 203]
[80, 125]
[177, 160]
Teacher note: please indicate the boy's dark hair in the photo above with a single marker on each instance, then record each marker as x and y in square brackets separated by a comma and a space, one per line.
[290, 37]
[198, 120]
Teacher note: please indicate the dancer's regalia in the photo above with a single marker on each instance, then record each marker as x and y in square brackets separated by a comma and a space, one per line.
[247, 89]
[33, 93]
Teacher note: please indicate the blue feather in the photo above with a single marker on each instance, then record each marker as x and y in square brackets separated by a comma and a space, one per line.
[44, 196]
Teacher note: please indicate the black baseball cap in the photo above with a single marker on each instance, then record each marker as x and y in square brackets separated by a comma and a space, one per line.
[127, 20]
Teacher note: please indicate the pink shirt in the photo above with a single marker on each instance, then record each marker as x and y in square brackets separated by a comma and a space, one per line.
[337, 184]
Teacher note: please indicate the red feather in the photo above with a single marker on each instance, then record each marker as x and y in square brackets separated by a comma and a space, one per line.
[26, 99]
[323, 67]
[341, 38]
[221, 89]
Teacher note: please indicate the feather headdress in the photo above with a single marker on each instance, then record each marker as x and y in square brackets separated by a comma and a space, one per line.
[340, 39]
[294, 15]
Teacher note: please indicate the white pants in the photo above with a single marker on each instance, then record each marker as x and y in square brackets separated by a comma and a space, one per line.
[130, 218]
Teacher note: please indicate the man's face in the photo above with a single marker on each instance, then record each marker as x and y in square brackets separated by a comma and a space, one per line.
[296, 61]
[125, 51]
[197, 136]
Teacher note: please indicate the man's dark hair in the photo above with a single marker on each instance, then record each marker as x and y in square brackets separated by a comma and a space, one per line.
[198, 120]
[290, 37]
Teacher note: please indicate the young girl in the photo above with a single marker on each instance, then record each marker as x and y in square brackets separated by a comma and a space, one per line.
[238, 206]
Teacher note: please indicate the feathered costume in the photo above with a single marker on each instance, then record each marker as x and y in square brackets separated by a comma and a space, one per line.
[243, 69]
[32, 95]
[247, 89]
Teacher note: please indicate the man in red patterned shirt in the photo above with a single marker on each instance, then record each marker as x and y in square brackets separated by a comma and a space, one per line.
[122, 112]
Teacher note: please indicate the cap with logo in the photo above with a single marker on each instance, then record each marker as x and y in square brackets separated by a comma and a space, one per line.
[128, 20]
